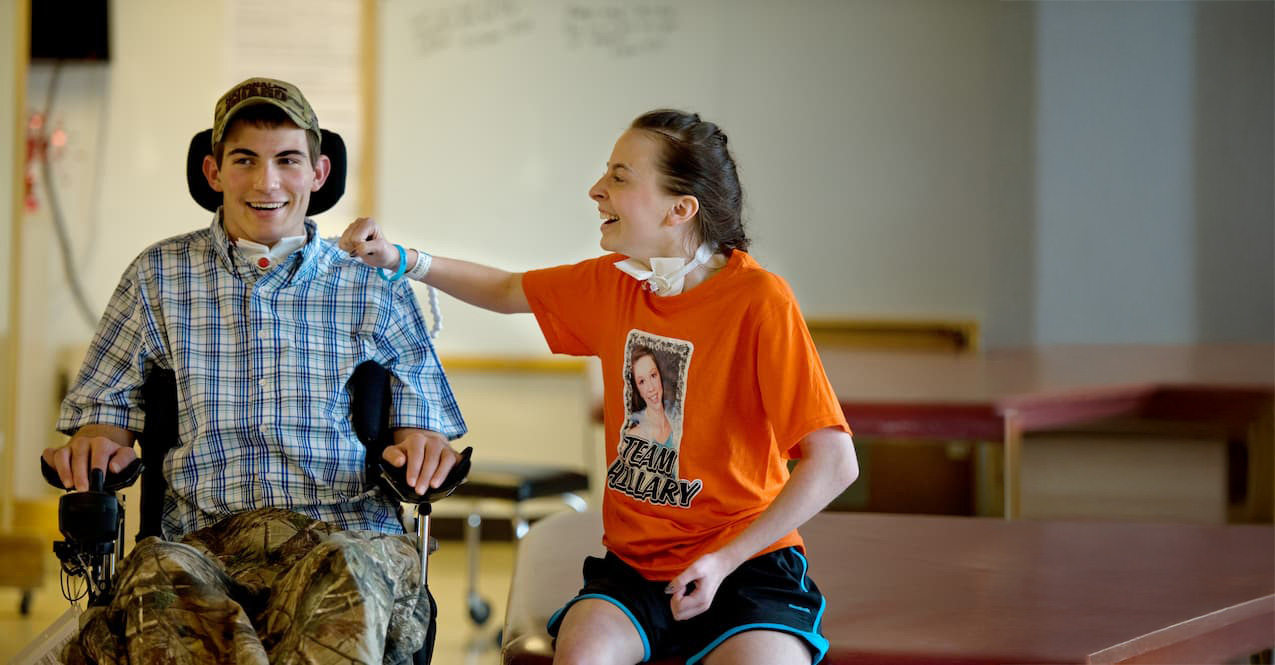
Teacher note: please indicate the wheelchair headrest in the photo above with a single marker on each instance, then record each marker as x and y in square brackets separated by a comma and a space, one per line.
[209, 199]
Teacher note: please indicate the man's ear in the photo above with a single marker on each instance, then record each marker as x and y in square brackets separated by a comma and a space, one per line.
[321, 171]
[212, 173]
[684, 209]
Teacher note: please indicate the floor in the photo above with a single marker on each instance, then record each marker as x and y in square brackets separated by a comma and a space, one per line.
[459, 641]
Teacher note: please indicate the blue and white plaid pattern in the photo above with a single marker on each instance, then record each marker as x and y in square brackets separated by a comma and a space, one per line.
[261, 360]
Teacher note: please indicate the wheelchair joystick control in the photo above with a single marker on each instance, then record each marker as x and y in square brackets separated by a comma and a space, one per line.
[90, 518]
[92, 522]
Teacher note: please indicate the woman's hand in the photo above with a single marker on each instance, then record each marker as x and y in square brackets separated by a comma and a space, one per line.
[692, 592]
[828, 465]
[365, 241]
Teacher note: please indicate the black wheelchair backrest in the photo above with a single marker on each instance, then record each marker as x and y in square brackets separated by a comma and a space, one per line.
[209, 199]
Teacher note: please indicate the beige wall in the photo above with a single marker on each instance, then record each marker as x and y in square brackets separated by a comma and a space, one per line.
[12, 64]
[1137, 478]
[10, 36]
[869, 137]
[128, 124]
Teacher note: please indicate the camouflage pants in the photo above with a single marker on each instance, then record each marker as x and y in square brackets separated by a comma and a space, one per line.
[266, 586]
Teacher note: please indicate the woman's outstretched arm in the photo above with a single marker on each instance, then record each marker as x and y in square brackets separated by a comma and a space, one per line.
[483, 286]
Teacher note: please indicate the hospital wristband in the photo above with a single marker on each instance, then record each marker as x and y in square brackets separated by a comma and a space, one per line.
[421, 267]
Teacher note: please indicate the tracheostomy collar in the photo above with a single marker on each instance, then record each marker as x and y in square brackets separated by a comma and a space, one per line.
[264, 256]
[667, 274]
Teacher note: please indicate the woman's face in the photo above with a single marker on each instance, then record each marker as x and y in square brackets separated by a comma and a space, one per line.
[647, 377]
[632, 205]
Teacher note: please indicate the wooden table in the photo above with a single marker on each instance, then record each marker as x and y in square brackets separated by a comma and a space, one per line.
[909, 589]
[906, 589]
[1000, 395]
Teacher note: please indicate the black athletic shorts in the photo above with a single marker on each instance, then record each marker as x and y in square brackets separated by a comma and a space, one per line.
[769, 592]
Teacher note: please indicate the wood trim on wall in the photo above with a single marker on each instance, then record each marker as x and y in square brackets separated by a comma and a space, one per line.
[954, 335]
[958, 336]
[8, 403]
[513, 364]
[369, 89]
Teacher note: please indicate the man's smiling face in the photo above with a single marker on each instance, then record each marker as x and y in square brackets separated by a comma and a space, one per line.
[266, 179]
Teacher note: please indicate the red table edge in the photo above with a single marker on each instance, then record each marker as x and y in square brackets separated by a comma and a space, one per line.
[1246, 628]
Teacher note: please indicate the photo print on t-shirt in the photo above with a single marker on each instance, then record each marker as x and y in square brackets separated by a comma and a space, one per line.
[646, 465]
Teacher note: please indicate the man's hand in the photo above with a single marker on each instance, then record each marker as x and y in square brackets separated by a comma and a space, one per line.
[693, 590]
[365, 241]
[428, 456]
[93, 447]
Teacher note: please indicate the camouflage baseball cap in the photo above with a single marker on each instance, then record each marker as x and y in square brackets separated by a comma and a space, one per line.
[264, 91]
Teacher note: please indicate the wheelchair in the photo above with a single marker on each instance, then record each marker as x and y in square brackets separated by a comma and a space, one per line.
[93, 525]
[92, 522]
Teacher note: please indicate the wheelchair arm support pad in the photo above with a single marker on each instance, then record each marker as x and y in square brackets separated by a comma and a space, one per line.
[370, 396]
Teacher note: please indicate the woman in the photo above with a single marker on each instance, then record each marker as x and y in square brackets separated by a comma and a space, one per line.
[703, 557]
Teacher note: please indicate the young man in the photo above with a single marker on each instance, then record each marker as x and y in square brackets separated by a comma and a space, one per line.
[262, 323]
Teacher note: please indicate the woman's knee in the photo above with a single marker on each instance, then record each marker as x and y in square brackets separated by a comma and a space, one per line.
[760, 647]
[596, 632]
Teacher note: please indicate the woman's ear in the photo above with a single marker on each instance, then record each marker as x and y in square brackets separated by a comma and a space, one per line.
[684, 209]
[212, 173]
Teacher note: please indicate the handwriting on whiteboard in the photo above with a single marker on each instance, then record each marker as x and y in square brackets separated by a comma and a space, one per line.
[618, 30]
[622, 30]
[469, 24]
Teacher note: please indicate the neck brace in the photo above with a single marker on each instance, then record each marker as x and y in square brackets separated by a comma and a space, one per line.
[667, 275]
[256, 252]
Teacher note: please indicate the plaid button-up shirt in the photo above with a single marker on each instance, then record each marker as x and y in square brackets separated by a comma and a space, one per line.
[261, 358]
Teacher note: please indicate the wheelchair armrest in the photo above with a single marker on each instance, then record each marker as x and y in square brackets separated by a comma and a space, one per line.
[393, 480]
[113, 482]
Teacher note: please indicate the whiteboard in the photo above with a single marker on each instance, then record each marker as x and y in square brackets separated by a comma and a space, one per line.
[860, 130]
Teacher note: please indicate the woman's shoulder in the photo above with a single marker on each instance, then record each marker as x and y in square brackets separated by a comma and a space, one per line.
[750, 277]
[592, 270]
[604, 261]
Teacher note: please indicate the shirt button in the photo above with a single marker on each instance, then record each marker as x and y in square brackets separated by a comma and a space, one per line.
[263, 263]
[261, 334]
[261, 382]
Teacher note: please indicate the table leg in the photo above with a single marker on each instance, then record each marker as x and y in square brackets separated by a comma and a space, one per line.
[989, 474]
[1013, 442]
[1261, 461]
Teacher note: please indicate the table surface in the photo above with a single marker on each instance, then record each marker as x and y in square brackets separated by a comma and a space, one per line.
[911, 589]
[919, 589]
[908, 589]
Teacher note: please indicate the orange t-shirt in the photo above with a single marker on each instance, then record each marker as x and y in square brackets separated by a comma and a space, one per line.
[707, 394]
